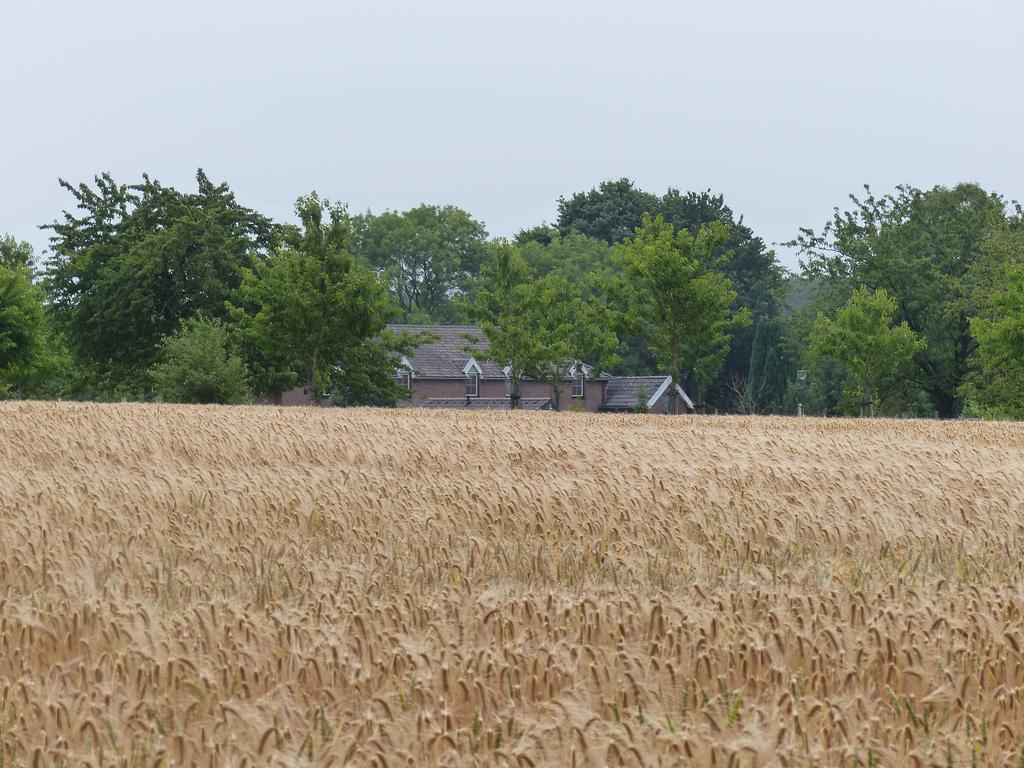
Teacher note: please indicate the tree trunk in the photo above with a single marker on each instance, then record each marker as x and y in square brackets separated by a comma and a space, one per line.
[514, 398]
[314, 397]
[556, 395]
[945, 404]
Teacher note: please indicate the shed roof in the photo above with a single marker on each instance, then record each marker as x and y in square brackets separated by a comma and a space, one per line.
[624, 392]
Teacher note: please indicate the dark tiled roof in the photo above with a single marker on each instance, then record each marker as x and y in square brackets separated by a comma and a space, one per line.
[488, 403]
[446, 356]
[623, 392]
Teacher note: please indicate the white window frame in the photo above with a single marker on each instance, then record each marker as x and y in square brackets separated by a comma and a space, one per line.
[405, 379]
[578, 384]
[472, 384]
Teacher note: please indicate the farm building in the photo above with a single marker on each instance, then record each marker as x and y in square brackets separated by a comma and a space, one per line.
[444, 373]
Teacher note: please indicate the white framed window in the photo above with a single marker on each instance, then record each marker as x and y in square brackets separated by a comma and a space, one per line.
[508, 386]
[472, 384]
[405, 379]
[577, 385]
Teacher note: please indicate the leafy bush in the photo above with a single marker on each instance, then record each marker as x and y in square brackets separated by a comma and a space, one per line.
[198, 365]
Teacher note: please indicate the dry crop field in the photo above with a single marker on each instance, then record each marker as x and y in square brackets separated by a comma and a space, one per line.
[263, 586]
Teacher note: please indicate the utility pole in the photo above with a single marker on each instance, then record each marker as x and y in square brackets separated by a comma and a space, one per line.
[801, 376]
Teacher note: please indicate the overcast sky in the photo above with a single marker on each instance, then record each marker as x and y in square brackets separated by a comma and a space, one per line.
[784, 107]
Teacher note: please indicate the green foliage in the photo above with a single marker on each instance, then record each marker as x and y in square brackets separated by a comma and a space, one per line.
[542, 234]
[772, 363]
[22, 322]
[570, 330]
[670, 295]
[864, 342]
[427, 256]
[614, 210]
[540, 328]
[307, 307]
[366, 374]
[924, 249]
[997, 391]
[611, 212]
[642, 397]
[505, 306]
[574, 257]
[15, 253]
[140, 259]
[198, 365]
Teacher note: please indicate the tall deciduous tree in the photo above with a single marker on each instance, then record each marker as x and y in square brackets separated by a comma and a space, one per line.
[427, 256]
[922, 248]
[671, 296]
[998, 388]
[137, 260]
[755, 273]
[309, 305]
[571, 330]
[614, 209]
[505, 306]
[22, 322]
[864, 342]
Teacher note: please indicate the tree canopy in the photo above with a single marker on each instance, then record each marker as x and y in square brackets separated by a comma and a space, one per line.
[22, 321]
[923, 248]
[427, 256]
[138, 259]
[309, 304]
[864, 342]
[671, 296]
[997, 389]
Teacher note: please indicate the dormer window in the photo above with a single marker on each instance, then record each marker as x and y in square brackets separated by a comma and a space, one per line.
[577, 385]
[472, 384]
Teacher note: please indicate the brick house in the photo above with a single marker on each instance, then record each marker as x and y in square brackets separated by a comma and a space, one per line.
[444, 373]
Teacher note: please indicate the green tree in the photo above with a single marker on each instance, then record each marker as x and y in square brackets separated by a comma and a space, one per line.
[998, 388]
[574, 257]
[198, 365]
[752, 268]
[923, 248]
[864, 342]
[15, 253]
[505, 306]
[138, 260]
[570, 330]
[772, 364]
[670, 295]
[309, 305]
[427, 256]
[22, 320]
[611, 212]
[542, 234]
[366, 374]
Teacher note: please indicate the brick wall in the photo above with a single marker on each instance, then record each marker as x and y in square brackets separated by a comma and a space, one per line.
[424, 389]
[593, 393]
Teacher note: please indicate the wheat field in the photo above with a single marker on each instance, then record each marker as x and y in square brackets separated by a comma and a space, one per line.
[223, 586]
